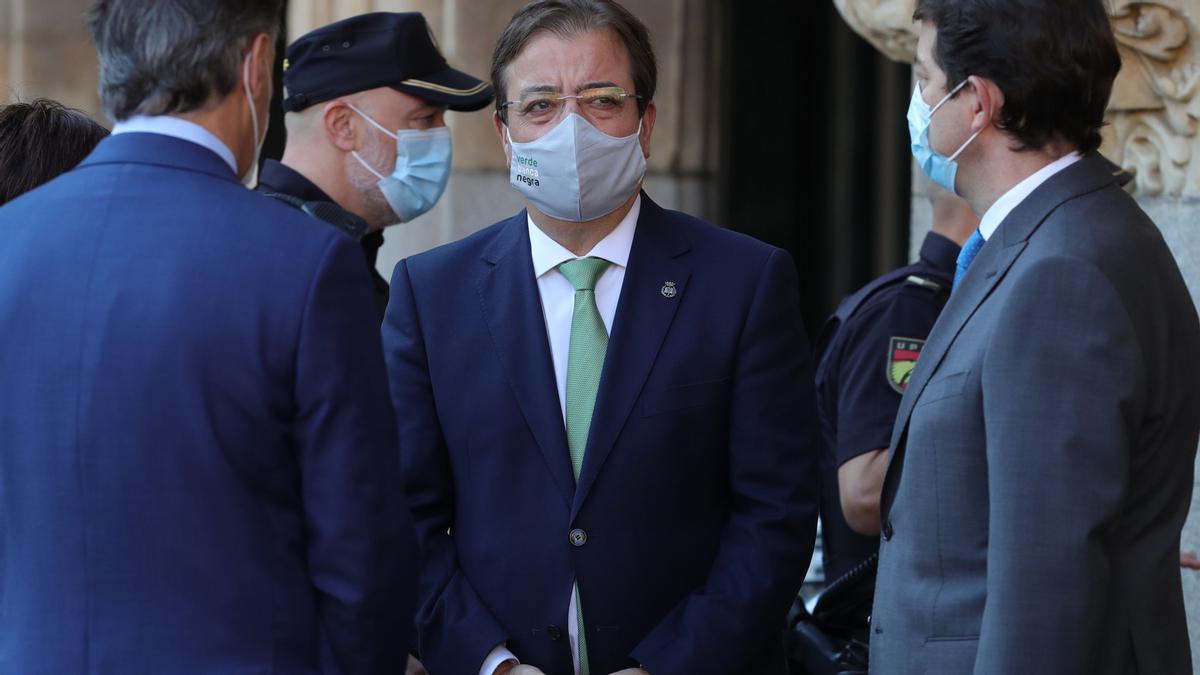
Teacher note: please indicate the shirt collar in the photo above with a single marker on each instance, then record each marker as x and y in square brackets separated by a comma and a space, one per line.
[176, 127]
[1010, 200]
[279, 177]
[939, 252]
[549, 254]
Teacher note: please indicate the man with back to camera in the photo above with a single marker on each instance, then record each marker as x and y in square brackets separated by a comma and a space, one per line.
[199, 470]
[367, 143]
[1042, 459]
[609, 425]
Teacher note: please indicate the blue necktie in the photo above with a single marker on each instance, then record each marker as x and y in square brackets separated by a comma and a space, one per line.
[967, 255]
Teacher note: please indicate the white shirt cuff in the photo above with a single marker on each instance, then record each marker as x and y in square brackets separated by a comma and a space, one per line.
[495, 658]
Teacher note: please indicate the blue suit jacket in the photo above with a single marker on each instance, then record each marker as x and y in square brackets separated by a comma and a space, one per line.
[698, 489]
[198, 466]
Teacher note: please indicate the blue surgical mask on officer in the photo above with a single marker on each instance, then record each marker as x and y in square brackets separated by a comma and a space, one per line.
[422, 168]
[940, 169]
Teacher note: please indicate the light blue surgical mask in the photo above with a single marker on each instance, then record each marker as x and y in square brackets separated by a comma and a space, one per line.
[940, 169]
[422, 169]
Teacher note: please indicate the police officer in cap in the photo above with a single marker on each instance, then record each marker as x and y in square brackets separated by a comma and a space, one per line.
[367, 143]
[866, 354]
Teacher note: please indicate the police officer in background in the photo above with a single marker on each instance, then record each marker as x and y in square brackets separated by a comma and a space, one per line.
[866, 354]
[367, 143]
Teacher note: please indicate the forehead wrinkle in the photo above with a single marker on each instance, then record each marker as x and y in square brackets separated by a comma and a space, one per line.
[592, 56]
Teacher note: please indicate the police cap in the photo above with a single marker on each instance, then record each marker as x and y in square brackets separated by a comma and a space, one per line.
[381, 49]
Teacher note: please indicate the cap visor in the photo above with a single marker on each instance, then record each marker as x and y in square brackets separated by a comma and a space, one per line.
[452, 88]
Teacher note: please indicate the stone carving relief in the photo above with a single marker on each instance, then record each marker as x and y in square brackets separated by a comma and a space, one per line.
[1154, 115]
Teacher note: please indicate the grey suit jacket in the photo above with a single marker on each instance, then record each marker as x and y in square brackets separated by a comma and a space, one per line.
[1042, 457]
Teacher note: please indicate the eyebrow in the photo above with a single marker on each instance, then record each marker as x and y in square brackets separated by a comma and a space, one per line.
[596, 85]
[551, 89]
[538, 89]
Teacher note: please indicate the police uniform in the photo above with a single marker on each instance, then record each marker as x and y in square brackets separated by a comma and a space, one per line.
[380, 49]
[281, 182]
[866, 354]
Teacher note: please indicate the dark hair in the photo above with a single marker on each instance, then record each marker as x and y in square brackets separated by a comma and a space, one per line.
[39, 141]
[569, 18]
[1055, 61]
[173, 56]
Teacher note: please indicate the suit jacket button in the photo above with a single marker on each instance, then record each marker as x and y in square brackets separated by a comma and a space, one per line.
[554, 632]
[887, 530]
[577, 537]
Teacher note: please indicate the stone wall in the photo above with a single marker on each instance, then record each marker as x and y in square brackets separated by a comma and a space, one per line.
[1153, 132]
[45, 51]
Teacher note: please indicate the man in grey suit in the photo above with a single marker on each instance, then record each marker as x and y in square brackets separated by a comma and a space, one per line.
[1042, 458]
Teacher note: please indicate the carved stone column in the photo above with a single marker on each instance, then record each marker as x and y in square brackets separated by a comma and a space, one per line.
[1153, 132]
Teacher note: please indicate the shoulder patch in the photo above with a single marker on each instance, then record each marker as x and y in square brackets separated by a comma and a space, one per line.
[902, 358]
[922, 282]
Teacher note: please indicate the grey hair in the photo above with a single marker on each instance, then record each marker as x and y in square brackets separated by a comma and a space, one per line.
[173, 56]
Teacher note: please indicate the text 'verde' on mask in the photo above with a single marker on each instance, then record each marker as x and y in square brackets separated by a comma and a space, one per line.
[575, 172]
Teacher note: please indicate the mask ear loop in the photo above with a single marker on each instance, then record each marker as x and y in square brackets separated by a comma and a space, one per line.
[372, 122]
[964, 146]
[947, 97]
[378, 126]
[250, 97]
[355, 155]
[942, 102]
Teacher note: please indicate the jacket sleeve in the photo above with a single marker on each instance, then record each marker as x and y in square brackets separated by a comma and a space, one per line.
[769, 537]
[456, 630]
[1059, 378]
[360, 542]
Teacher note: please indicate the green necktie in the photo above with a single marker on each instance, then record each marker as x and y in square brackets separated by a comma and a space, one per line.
[589, 343]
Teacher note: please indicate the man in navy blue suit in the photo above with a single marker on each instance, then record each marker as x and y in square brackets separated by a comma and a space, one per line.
[199, 469]
[609, 424]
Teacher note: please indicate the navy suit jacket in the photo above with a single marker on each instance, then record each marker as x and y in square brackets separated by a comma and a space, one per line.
[199, 469]
[698, 490]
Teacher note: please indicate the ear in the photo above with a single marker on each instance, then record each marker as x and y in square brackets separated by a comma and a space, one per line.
[261, 53]
[502, 133]
[988, 102]
[341, 127]
[648, 127]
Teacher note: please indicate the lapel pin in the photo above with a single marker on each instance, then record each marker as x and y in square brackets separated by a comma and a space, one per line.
[669, 290]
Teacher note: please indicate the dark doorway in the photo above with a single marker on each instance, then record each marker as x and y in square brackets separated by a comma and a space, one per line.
[816, 147]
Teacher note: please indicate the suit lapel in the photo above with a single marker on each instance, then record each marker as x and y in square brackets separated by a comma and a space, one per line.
[990, 267]
[644, 315]
[513, 311]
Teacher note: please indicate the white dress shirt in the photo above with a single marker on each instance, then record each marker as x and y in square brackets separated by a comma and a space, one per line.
[180, 128]
[1013, 198]
[558, 306]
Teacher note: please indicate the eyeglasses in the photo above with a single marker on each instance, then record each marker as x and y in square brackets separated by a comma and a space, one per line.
[542, 106]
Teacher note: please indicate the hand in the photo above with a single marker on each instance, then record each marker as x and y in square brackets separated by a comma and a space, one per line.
[415, 667]
[1189, 561]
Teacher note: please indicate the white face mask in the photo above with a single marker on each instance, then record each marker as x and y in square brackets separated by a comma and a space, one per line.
[576, 172]
[251, 177]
